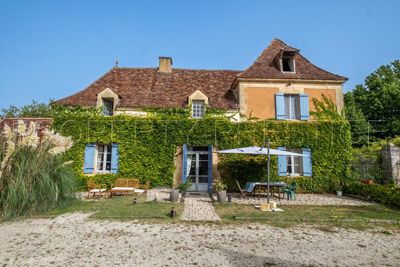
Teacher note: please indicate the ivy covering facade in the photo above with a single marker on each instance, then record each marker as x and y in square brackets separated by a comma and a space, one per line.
[148, 146]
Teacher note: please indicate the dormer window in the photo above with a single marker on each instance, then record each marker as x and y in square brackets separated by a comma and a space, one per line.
[108, 106]
[288, 63]
[198, 109]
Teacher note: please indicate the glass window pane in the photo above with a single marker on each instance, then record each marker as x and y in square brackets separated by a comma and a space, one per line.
[108, 106]
[203, 157]
[108, 166]
[100, 157]
[289, 165]
[203, 179]
[203, 167]
[287, 106]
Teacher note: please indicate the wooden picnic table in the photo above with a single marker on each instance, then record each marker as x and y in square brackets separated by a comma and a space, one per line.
[279, 186]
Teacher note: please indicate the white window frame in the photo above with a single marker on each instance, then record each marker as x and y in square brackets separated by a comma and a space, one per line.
[104, 158]
[297, 109]
[195, 108]
[292, 158]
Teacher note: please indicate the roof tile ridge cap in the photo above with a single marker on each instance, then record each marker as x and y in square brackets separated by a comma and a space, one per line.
[206, 70]
[137, 68]
[87, 87]
[338, 76]
[261, 54]
[284, 43]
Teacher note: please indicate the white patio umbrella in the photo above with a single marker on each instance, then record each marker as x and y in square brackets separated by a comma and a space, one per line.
[257, 150]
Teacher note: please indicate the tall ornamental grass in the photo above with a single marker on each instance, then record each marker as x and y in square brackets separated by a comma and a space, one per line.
[33, 175]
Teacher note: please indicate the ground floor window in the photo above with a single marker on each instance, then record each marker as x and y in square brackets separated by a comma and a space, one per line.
[294, 163]
[103, 158]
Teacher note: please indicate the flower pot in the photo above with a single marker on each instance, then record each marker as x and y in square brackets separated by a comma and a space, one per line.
[174, 195]
[221, 196]
[339, 193]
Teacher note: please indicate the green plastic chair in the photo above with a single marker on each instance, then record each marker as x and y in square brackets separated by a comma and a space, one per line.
[291, 191]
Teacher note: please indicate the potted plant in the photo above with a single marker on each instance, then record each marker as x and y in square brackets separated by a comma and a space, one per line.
[220, 188]
[174, 194]
[339, 190]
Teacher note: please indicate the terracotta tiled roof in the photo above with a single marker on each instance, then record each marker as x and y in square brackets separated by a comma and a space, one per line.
[147, 87]
[265, 66]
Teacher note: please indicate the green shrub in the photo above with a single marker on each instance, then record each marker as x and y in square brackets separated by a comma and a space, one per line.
[36, 182]
[385, 194]
[34, 176]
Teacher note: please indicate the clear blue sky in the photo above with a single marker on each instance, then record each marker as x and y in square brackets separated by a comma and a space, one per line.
[51, 49]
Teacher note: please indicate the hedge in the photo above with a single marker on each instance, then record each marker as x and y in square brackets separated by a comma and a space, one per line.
[147, 146]
[385, 194]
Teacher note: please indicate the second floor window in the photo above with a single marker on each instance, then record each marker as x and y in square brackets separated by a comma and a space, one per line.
[292, 107]
[103, 158]
[197, 108]
[108, 107]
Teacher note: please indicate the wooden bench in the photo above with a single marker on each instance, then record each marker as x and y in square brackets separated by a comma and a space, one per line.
[96, 190]
[125, 186]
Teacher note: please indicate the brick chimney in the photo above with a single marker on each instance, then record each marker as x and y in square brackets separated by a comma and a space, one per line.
[165, 64]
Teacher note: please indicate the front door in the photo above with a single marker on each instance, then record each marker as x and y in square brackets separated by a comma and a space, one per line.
[197, 164]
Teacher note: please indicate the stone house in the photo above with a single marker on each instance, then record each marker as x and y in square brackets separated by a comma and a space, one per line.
[280, 84]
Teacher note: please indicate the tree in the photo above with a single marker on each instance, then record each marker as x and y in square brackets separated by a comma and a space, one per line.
[360, 128]
[325, 109]
[379, 99]
[34, 109]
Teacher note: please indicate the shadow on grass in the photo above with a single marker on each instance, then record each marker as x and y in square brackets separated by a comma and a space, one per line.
[356, 217]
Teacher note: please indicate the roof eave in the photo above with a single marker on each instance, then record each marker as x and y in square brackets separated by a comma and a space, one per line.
[242, 79]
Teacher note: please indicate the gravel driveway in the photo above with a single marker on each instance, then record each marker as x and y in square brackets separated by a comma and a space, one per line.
[73, 240]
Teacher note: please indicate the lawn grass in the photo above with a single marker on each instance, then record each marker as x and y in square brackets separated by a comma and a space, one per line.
[324, 217]
[122, 208]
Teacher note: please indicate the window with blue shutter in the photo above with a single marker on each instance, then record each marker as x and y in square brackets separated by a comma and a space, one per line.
[282, 169]
[304, 107]
[114, 158]
[307, 162]
[210, 159]
[184, 163]
[280, 106]
[88, 166]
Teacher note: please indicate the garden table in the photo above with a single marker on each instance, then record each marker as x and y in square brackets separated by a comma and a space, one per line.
[256, 188]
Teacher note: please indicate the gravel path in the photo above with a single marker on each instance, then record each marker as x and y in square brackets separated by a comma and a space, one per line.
[72, 240]
[306, 199]
[199, 208]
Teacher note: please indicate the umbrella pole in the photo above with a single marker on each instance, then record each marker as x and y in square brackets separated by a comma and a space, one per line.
[269, 158]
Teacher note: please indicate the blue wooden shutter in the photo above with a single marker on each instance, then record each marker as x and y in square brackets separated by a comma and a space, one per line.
[184, 163]
[210, 167]
[88, 166]
[114, 158]
[282, 169]
[304, 108]
[280, 106]
[307, 162]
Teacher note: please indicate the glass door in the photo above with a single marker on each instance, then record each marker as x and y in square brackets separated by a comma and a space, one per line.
[198, 170]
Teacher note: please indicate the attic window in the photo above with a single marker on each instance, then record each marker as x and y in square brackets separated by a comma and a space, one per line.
[287, 63]
[197, 109]
[108, 107]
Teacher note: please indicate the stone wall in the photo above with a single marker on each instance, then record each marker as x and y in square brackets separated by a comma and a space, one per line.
[391, 163]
